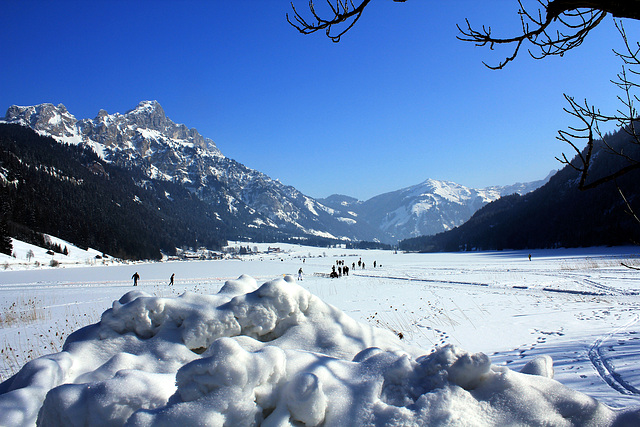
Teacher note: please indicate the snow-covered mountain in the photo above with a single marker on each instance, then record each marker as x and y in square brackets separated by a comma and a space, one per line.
[423, 209]
[146, 139]
[426, 208]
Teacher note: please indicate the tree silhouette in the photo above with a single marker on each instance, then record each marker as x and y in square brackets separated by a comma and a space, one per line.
[551, 28]
[332, 15]
[6, 247]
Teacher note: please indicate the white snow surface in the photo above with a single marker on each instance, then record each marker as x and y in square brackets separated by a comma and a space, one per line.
[27, 256]
[481, 339]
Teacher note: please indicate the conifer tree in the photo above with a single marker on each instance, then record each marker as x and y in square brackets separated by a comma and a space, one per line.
[6, 247]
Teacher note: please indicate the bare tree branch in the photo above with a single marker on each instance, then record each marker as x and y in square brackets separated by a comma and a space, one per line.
[578, 16]
[343, 12]
[630, 210]
[626, 118]
[628, 266]
[573, 20]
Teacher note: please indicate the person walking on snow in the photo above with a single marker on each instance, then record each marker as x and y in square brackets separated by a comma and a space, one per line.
[135, 278]
[171, 280]
[300, 274]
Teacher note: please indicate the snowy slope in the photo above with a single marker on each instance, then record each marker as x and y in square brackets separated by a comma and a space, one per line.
[28, 256]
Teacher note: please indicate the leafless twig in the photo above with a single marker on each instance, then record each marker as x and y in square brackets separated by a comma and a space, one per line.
[590, 119]
[337, 12]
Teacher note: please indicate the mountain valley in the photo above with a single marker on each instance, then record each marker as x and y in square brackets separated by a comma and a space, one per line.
[154, 151]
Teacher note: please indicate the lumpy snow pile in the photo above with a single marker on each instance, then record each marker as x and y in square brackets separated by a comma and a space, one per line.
[275, 355]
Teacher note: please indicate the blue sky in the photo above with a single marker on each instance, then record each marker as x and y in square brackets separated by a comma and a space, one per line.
[397, 101]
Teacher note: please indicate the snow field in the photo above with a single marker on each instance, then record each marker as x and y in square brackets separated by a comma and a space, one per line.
[28, 256]
[263, 348]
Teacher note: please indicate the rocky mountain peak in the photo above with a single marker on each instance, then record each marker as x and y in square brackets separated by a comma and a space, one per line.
[47, 118]
[146, 129]
[148, 106]
[102, 113]
[148, 115]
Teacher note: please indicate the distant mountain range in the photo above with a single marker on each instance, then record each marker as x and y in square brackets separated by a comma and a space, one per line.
[423, 209]
[156, 152]
[557, 214]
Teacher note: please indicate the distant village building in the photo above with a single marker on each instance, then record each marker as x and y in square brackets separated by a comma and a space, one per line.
[200, 254]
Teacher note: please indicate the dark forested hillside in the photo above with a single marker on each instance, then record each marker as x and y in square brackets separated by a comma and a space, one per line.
[556, 215]
[67, 191]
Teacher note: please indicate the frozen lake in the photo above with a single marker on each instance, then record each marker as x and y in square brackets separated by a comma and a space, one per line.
[579, 306]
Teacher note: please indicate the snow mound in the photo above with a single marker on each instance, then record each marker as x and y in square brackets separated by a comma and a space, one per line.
[275, 355]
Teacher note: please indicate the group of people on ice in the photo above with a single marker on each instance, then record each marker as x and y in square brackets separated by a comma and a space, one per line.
[343, 270]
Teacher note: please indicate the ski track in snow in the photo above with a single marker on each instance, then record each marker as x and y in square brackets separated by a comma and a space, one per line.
[412, 279]
[583, 283]
[605, 367]
[604, 290]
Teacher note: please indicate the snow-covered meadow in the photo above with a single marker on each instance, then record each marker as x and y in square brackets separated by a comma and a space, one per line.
[420, 339]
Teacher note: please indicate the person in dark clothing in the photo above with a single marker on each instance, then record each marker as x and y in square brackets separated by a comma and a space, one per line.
[333, 274]
[135, 278]
[171, 280]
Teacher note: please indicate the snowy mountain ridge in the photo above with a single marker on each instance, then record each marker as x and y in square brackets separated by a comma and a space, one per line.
[427, 208]
[145, 138]
[144, 131]
[449, 200]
